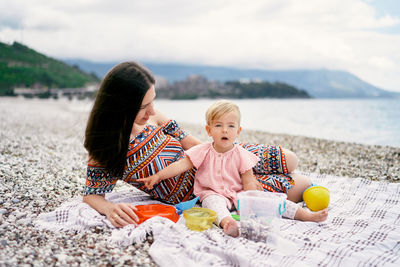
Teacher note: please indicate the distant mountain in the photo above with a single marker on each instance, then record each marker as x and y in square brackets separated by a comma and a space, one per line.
[197, 86]
[21, 66]
[318, 83]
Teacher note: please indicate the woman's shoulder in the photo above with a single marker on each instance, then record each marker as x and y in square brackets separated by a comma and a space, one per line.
[150, 128]
[147, 130]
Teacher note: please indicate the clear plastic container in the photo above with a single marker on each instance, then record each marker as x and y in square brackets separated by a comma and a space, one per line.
[258, 210]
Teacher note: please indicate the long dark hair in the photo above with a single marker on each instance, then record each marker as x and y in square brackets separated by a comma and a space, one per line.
[110, 122]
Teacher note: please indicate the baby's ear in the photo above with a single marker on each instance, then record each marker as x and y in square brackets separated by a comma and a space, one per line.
[239, 130]
[208, 129]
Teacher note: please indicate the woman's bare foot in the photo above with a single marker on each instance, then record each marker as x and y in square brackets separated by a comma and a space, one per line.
[318, 216]
[230, 226]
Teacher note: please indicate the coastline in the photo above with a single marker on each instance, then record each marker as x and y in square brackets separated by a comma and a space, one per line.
[43, 164]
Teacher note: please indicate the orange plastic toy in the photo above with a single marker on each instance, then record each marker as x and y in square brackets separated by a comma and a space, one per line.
[145, 212]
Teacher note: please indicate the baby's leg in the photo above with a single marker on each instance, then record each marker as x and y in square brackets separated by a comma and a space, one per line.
[224, 219]
[301, 183]
[294, 211]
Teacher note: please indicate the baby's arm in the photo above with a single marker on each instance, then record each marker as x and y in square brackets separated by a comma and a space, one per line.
[172, 170]
[250, 182]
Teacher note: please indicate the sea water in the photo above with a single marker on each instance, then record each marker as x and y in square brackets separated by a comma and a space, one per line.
[365, 121]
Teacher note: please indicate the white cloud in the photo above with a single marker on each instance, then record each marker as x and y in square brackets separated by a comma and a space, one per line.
[275, 34]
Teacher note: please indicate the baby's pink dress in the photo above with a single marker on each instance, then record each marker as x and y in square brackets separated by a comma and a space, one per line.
[219, 173]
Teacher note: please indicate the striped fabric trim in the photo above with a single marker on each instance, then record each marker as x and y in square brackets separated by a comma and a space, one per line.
[98, 181]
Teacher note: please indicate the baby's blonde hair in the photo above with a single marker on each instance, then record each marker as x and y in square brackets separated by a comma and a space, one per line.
[221, 108]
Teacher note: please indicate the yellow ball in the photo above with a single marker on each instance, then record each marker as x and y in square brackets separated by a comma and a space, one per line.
[316, 197]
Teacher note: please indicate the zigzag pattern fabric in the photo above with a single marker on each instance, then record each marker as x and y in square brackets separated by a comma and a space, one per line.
[154, 149]
[151, 151]
[271, 171]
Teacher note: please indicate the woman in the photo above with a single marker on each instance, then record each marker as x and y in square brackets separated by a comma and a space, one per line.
[122, 145]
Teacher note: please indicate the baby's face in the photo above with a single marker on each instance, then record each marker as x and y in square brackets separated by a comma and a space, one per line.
[224, 131]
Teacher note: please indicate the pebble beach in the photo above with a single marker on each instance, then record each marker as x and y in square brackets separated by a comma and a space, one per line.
[43, 164]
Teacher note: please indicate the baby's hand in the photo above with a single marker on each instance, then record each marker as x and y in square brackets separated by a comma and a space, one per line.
[254, 185]
[150, 181]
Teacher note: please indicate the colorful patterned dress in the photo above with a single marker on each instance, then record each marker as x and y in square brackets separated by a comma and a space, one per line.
[157, 147]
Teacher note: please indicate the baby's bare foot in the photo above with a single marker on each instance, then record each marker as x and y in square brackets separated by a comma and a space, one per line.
[319, 216]
[308, 216]
[231, 228]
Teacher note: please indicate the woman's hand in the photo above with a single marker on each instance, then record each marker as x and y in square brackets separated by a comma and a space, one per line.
[150, 181]
[122, 214]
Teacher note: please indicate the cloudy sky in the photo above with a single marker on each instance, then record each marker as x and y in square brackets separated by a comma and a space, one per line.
[359, 36]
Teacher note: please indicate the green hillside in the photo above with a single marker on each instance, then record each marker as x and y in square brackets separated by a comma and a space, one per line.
[21, 66]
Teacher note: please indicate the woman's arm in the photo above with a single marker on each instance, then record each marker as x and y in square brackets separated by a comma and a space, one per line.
[250, 182]
[187, 142]
[172, 170]
[119, 215]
